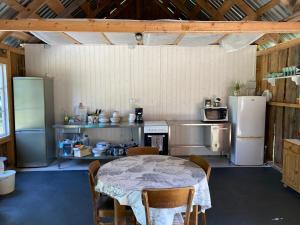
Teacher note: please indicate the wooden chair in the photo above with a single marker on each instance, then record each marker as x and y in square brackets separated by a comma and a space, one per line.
[103, 206]
[168, 198]
[142, 151]
[201, 162]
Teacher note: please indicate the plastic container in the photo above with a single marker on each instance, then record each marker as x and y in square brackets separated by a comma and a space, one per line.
[2, 166]
[7, 182]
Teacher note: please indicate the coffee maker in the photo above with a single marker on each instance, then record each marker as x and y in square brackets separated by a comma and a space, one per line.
[139, 115]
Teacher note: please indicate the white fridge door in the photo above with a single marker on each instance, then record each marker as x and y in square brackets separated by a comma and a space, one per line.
[248, 152]
[251, 116]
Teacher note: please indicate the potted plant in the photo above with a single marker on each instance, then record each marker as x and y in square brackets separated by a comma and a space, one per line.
[237, 88]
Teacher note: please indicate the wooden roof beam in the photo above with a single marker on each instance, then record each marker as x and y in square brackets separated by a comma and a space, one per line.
[134, 26]
[56, 6]
[69, 38]
[73, 6]
[223, 10]
[281, 46]
[14, 5]
[164, 6]
[30, 10]
[5, 34]
[19, 51]
[266, 7]
[203, 4]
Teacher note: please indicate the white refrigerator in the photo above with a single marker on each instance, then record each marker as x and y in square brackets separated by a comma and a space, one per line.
[247, 115]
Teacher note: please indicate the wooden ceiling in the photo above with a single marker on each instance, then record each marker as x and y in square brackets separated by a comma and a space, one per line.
[139, 9]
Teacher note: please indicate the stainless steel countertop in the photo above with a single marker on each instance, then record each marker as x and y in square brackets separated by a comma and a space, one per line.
[137, 125]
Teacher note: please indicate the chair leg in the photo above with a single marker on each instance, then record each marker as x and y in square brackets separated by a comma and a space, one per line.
[203, 218]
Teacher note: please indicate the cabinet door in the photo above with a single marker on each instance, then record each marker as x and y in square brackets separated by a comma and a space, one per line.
[290, 168]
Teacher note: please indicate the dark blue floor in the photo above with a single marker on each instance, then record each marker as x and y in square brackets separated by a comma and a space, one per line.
[240, 196]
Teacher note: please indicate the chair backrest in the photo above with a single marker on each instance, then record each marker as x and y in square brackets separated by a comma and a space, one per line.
[201, 162]
[92, 171]
[142, 151]
[168, 198]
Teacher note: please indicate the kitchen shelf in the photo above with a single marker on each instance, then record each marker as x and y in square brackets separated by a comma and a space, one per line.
[272, 80]
[75, 128]
[91, 156]
[283, 104]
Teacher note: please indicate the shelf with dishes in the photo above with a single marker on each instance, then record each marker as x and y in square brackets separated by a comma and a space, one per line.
[291, 72]
[272, 80]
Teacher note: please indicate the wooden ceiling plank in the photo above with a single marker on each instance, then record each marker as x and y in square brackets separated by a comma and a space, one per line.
[92, 25]
[14, 4]
[281, 46]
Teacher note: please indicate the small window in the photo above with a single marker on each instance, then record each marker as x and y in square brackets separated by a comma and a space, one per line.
[4, 120]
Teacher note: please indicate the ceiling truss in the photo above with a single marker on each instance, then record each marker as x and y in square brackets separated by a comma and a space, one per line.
[175, 9]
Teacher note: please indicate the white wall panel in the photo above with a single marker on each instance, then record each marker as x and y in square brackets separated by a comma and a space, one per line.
[169, 82]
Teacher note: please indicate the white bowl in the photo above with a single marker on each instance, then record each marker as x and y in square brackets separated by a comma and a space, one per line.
[131, 120]
[115, 119]
[97, 151]
[103, 120]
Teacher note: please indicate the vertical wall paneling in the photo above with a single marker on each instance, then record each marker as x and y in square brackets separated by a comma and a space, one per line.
[169, 82]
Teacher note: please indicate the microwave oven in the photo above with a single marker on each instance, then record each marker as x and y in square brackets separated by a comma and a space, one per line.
[214, 114]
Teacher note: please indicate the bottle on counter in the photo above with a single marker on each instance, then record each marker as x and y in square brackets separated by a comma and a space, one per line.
[86, 140]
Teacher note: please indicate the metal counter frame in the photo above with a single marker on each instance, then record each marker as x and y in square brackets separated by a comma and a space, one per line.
[77, 128]
[226, 126]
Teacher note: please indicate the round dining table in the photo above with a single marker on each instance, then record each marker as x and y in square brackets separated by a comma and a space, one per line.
[125, 178]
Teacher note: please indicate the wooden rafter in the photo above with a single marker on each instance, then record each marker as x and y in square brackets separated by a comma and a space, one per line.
[73, 6]
[207, 7]
[22, 36]
[3, 35]
[30, 10]
[179, 5]
[266, 7]
[14, 5]
[164, 6]
[56, 6]
[250, 14]
[119, 9]
[281, 46]
[148, 26]
[69, 38]
[93, 13]
[223, 9]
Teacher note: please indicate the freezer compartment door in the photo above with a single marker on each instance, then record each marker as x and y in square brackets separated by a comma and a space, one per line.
[31, 148]
[248, 151]
[29, 104]
[251, 116]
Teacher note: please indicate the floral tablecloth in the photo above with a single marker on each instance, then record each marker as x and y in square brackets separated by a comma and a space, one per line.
[125, 178]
